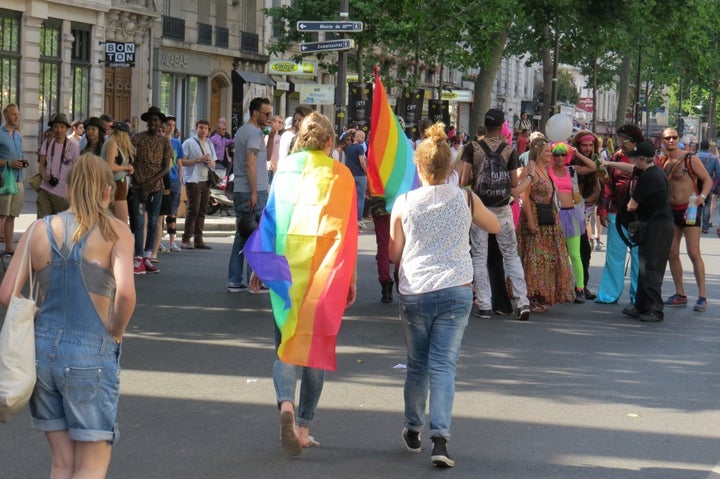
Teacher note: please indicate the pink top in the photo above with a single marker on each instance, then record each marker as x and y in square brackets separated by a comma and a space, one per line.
[562, 183]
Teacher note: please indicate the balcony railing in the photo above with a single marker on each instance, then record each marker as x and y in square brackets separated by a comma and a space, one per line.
[250, 42]
[222, 36]
[204, 34]
[173, 28]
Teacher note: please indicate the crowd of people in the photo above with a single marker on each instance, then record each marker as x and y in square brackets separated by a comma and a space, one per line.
[494, 222]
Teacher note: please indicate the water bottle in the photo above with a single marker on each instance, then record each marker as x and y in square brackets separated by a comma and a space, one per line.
[691, 212]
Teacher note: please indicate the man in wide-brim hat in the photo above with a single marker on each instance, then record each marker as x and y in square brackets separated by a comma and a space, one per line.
[153, 156]
[59, 118]
[153, 111]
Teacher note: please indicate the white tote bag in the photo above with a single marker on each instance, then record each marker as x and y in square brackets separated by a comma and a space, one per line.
[17, 346]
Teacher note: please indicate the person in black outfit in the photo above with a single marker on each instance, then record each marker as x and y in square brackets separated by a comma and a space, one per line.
[650, 203]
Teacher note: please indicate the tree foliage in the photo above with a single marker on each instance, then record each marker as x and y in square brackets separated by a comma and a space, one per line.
[614, 43]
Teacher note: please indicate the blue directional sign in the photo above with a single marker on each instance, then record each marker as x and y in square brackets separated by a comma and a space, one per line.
[331, 45]
[313, 26]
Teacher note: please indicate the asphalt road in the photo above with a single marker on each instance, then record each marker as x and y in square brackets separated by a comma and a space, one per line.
[580, 392]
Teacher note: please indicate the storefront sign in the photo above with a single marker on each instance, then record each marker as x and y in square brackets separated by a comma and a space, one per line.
[287, 67]
[464, 96]
[314, 94]
[119, 55]
[181, 62]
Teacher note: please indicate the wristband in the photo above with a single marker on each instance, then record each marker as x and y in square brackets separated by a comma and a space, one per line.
[703, 196]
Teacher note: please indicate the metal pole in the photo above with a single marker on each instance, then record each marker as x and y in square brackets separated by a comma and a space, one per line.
[554, 91]
[341, 87]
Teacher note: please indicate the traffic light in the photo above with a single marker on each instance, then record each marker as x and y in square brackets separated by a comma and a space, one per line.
[681, 126]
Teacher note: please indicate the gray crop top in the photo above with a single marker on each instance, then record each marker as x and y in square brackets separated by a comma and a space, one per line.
[97, 280]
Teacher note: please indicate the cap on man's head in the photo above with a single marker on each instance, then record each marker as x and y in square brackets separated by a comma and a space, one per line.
[121, 125]
[288, 122]
[494, 118]
[645, 149]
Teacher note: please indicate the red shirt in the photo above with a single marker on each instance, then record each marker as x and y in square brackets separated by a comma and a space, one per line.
[522, 144]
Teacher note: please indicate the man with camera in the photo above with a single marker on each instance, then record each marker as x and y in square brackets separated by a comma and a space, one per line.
[11, 156]
[57, 155]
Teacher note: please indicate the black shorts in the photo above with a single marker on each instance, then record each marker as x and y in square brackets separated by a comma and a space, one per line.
[165, 205]
[679, 217]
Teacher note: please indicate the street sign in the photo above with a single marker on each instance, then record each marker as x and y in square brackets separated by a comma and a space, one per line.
[332, 45]
[312, 26]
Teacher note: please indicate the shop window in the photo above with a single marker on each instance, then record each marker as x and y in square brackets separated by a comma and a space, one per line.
[9, 56]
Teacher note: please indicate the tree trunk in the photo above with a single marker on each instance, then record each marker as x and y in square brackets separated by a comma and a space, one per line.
[712, 113]
[623, 91]
[484, 84]
[594, 97]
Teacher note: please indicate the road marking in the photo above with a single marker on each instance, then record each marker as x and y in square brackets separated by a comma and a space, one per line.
[715, 473]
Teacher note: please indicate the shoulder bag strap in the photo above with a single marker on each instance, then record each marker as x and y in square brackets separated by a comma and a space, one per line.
[25, 260]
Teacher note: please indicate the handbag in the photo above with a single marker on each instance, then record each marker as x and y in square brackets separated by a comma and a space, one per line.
[17, 345]
[545, 214]
[638, 231]
[34, 181]
[9, 186]
[213, 178]
[545, 211]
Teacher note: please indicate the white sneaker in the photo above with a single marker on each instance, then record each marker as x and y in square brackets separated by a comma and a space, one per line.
[164, 248]
[174, 248]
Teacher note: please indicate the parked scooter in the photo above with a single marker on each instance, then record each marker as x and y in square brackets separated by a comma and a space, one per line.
[221, 197]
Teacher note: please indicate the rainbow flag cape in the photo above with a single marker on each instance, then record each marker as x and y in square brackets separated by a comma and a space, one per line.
[304, 250]
[391, 170]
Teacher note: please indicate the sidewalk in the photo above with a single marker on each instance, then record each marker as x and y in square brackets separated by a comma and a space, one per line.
[215, 225]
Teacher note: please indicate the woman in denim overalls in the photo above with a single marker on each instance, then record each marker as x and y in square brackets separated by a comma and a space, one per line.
[82, 259]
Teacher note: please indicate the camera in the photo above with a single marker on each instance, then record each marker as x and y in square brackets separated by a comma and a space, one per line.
[24, 162]
[53, 181]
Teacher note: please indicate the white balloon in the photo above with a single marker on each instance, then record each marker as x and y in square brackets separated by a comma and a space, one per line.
[558, 127]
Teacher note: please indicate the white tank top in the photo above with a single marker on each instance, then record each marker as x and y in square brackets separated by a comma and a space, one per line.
[436, 221]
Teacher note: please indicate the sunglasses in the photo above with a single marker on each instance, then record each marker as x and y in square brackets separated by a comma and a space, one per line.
[562, 155]
[669, 138]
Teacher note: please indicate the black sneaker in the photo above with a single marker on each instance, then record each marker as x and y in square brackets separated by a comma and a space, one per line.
[412, 441]
[484, 313]
[579, 296]
[632, 312]
[440, 456]
[523, 313]
[651, 317]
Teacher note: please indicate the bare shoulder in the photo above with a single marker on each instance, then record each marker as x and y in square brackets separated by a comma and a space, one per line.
[122, 230]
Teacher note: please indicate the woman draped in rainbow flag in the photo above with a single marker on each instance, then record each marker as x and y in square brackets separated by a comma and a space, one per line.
[304, 250]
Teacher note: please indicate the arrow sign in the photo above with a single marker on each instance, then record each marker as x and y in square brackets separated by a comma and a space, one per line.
[345, 44]
[312, 26]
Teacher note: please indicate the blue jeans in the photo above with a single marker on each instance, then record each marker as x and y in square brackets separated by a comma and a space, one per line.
[311, 386]
[612, 280]
[360, 186]
[434, 325]
[237, 258]
[137, 210]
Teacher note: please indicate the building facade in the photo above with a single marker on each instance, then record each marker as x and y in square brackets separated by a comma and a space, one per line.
[199, 59]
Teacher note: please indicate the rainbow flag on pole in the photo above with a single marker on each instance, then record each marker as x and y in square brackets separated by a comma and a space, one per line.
[304, 250]
[391, 169]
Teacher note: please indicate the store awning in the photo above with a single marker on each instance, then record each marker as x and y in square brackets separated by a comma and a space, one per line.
[254, 77]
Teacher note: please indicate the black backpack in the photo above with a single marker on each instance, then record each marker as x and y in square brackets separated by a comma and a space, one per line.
[492, 178]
